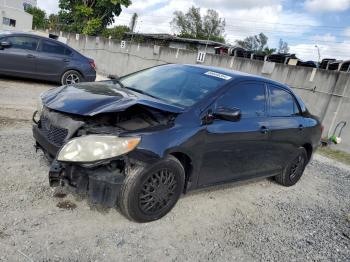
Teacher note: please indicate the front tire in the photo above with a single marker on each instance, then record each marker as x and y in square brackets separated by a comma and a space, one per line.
[71, 77]
[148, 194]
[294, 170]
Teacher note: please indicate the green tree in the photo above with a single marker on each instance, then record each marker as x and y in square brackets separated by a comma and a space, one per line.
[53, 22]
[89, 16]
[193, 25]
[116, 32]
[255, 43]
[283, 47]
[39, 17]
[269, 51]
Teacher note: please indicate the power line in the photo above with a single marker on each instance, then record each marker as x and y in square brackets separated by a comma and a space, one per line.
[232, 30]
[250, 30]
[262, 22]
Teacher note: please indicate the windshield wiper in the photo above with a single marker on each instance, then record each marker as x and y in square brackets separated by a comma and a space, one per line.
[141, 92]
[117, 81]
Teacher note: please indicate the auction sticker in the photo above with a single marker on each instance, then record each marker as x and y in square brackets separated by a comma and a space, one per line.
[218, 75]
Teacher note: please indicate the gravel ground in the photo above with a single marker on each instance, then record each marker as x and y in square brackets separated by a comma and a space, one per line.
[251, 221]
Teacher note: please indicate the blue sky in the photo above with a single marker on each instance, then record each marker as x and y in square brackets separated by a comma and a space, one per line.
[302, 23]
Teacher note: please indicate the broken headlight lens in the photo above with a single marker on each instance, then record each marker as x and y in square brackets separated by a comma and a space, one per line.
[39, 105]
[93, 148]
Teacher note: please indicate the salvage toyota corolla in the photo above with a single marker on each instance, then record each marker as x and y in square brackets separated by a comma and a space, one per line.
[141, 141]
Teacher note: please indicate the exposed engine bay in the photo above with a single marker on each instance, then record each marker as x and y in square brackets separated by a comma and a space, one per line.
[60, 127]
[135, 118]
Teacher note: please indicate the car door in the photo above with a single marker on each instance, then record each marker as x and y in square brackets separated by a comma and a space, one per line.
[286, 126]
[236, 150]
[19, 59]
[53, 59]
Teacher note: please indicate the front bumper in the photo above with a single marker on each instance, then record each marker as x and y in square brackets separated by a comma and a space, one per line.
[100, 183]
[49, 148]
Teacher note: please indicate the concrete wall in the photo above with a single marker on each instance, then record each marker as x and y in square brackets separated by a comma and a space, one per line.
[326, 93]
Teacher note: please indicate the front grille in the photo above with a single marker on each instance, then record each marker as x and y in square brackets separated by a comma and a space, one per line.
[55, 135]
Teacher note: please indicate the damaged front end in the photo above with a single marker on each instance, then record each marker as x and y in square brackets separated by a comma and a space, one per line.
[102, 183]
[89, 154]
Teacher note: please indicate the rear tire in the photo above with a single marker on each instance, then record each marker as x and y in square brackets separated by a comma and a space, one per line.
[294, 170]
[71, 77]
[148, 194]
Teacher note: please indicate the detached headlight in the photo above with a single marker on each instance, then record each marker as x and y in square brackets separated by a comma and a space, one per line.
[92, 148]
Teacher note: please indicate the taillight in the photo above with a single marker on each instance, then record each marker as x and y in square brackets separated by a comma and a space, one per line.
[322, 128]
[92, 64]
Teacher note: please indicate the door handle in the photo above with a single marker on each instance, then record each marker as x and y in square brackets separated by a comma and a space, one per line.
[264, 130]
[66, 60]
[30, 56]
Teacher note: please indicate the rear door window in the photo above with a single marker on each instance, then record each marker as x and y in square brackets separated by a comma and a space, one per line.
[249, 97]
[53, 48]
[23, 42]
[282, 103]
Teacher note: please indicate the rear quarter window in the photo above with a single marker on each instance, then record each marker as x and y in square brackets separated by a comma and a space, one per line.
[53, 48]
[282, 103]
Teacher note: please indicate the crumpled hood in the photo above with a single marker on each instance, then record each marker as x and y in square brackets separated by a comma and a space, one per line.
[89, 99]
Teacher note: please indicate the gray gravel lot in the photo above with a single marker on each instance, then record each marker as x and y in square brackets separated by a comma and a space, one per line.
[251, 221]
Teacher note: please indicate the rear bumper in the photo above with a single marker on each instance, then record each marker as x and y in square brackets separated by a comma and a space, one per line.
[90, 78]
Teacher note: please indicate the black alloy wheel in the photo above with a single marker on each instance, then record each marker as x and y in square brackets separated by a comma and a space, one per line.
[149, 193]
[294, 170]
[157, 191]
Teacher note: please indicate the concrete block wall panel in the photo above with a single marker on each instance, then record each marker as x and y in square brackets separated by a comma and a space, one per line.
[344, 115]
[339, 110]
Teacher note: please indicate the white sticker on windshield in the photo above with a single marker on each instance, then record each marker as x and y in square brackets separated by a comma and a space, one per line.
[222, 76]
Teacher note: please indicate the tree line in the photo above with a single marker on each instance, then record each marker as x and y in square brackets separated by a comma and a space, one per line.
[94, 17]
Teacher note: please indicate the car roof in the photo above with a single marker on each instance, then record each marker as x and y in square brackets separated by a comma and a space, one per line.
[241, 76]
[237, 75]
[10, 33]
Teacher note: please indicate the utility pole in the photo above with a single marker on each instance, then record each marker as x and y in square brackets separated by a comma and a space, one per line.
[133, 25]
[319, 53]
[206, 45]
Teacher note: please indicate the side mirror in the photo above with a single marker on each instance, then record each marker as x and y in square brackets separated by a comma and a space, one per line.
[228, 114]
[5, 44]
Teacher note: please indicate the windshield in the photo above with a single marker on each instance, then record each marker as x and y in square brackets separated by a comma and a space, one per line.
[179, 85]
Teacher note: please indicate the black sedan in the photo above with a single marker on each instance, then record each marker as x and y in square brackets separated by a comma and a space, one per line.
[141, 141]
[36, 57]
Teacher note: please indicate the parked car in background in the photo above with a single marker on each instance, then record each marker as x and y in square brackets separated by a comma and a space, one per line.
[142, 140]
[36, 57]
[335, 66]
[312, 64]
[325, 63]
[281, 58]
[345, 66]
